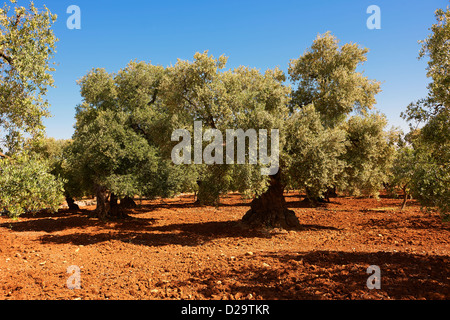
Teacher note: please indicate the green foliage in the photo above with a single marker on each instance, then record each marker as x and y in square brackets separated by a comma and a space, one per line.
[247, 180]
[403, 169]
[437, 48]
[26, 185]
[313, 152]
[325, 149]
[61, 160]
[369, 155]
[430, 183]
[27, 45]
[119, 135]
[109, 152]
[240, 98]
[431, 180]
[326, 76]
[50, 150]
[124, 125]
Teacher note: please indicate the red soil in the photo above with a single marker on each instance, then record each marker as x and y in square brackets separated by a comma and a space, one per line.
[173, 249]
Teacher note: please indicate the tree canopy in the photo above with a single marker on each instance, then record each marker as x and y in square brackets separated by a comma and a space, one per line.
[27, 45]
[326, 75]
[430, 119]
[321, 128]
[27, 186]
[115, 146]
[123, 142]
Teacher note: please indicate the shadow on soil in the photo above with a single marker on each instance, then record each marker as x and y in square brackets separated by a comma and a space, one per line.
[333, 275]
[416, 222]
[188, 234]
[63, 220]
[86, 230]
[293, 201]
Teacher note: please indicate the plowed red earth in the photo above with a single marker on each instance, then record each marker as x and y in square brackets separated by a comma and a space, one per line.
[172, 249]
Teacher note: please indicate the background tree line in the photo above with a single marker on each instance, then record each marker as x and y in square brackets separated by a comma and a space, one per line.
[331, 138]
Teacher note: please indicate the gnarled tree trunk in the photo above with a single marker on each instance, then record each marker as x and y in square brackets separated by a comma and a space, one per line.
[116, 209]
[71, 203]
[270, 208]
[101, 194]
[106, 208]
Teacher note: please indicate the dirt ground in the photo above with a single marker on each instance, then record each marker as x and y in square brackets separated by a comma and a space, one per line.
[172, 249]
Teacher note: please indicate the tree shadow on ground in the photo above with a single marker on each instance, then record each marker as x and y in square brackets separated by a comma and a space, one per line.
[189, 234]
[183, 204]
[293, 201]
[51, 222]
[145, 208]
[80, 228]
[333, 275]
[306, 204]
[66, 219]
[316, 227]
[417, 222]
[184, 234]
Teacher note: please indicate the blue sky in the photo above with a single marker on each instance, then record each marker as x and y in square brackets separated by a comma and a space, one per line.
[260, 34]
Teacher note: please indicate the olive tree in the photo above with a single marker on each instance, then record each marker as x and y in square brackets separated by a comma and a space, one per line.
[115, 150]
[403, 169]
[326, 75]
[314, 153]
[27, 45]
[328, 88]
[26, 185]
[369, 155]
[243, 99]
[431, 117]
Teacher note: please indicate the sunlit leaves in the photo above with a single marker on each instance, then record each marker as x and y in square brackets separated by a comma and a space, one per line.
[431, 180]
[326, 75]
[241, 98]
[27, 186]
[369, 155]
[27, 45]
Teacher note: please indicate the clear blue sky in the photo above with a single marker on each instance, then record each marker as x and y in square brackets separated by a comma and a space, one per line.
[261, 34]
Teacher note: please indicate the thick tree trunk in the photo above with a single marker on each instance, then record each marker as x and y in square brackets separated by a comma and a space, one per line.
[330, 193]
[102, 208]
[71, 203]
[207, 197]
[270, 209]
[115, 210]
[106, 208]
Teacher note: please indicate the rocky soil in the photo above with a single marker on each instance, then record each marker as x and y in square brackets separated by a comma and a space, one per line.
[173, 249]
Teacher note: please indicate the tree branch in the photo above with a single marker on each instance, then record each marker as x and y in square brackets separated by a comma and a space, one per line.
[153, 98]
[17, 21]
[5, 57]
[4, 156]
